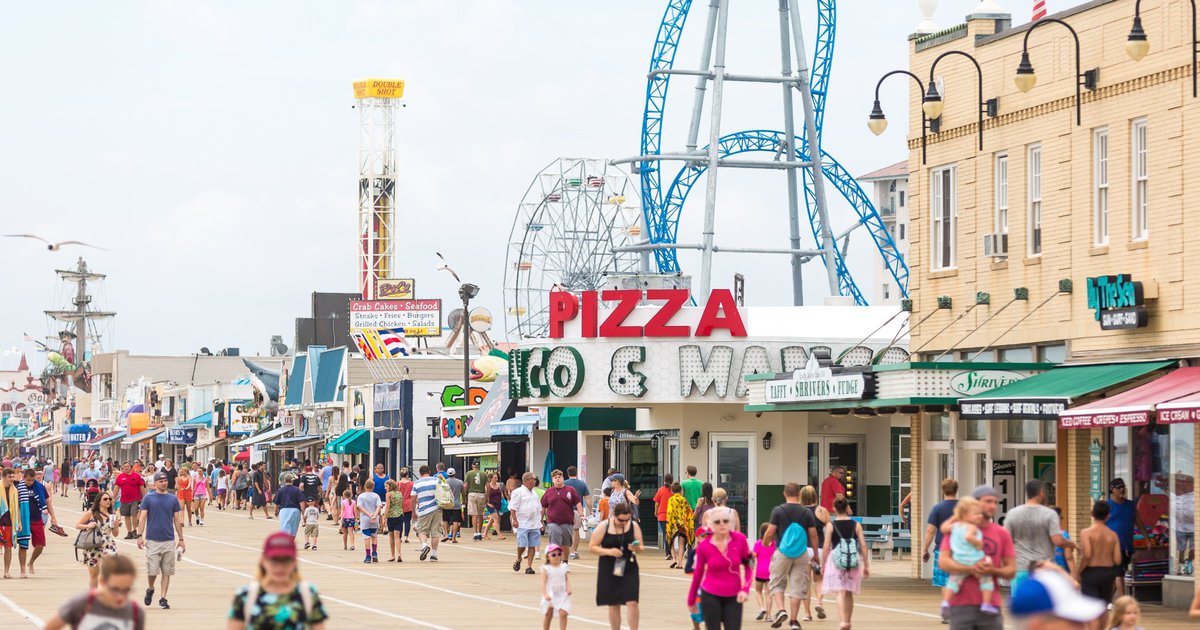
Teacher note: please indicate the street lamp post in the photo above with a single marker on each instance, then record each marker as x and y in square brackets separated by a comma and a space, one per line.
[1026, 78]
[932, 104]
[466, 292]
[1138, 44]
[877, 122]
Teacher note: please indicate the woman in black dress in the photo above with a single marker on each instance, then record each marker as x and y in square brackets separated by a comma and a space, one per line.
[616, 543]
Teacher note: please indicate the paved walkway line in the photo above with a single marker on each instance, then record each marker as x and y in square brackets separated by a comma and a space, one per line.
[447, 591]
[38, 622]
[33, 619]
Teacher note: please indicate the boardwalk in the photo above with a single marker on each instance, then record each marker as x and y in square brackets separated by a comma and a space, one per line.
[472, 586]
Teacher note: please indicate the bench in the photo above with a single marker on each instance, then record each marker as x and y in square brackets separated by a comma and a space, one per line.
[901, 537]
[877, 533]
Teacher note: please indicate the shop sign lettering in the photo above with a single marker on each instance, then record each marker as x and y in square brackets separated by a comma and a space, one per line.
[455, 426]
[1118, 302]
[452, 396]
[815, 383]
[720, 313]
[1012, 409]
[979, 381]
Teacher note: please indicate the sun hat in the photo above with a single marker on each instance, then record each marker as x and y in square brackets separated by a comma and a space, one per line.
[1049, 592]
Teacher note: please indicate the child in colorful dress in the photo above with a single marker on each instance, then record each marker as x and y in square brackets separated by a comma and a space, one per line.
[556, 588]
[966, 548]
[348, 521]
[762, 574]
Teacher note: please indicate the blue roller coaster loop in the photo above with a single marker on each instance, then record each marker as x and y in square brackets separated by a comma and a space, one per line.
[662, 213]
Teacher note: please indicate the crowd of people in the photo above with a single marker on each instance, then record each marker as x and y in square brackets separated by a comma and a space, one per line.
[810, 548]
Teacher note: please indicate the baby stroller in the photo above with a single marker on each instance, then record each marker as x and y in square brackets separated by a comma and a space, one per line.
[91, 490]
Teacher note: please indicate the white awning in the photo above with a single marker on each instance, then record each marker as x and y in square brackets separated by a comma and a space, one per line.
[266, 435]
[471, 449]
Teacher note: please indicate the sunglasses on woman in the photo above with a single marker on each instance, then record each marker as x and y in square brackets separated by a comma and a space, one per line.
[721, 521]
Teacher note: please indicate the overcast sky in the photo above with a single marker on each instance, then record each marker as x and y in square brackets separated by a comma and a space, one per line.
[210, 146]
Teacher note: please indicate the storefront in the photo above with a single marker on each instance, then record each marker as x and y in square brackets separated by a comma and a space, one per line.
[678, 375]
[140, 445]
[1109, 424]
[389, 435]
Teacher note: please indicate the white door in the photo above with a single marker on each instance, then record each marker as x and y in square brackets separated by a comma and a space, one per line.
[827, 451]
[731, 466]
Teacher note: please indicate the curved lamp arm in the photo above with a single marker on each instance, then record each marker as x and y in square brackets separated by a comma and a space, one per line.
[978, 71]
[877, 110]
[1082, 79]
[1137, 45]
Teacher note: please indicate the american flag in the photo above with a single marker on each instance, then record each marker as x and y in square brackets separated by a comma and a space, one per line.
[393, 341]
[1039, 9]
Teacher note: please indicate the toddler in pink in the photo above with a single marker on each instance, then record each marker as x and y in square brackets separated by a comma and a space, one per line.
[762, 574]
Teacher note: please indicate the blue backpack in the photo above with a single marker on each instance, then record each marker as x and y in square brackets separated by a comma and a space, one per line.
[794, 542]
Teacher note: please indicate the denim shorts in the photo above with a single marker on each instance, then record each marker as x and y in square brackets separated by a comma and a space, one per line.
[531, 537]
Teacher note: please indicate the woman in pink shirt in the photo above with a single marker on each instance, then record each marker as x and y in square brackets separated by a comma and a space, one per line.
[724, 570]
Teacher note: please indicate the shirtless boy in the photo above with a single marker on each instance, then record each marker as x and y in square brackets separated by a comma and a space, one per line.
[1099, 559]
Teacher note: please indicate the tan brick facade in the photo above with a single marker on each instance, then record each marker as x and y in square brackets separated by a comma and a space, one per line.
[1158, 88]
[918, 508]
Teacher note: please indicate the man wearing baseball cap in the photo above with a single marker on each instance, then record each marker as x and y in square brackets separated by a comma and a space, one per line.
[1122, 519]
[1048, 600]
[1000, 561]
[160, 524]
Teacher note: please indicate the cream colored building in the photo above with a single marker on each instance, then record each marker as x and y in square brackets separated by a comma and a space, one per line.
[1009, 235]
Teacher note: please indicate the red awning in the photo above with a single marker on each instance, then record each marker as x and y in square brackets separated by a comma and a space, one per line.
[1133, 407]
[243, 456]
[1180, 410]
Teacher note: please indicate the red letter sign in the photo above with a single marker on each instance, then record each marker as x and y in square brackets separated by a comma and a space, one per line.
[721, 300]
[612, 325]
[587, 319]
[657, 326]
[563, 308]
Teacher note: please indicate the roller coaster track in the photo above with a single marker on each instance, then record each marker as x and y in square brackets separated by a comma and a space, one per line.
[662, 212]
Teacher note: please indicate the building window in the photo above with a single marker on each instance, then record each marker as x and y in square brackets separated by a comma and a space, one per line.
[901, 198]
[1035, 200]
[1031, 431]
[1052, 354]
[886, 293]
[1100, 177]
[939, 428]
[973, 430]
[1141, 176]
[1002, 194]
[902, 237]
[944, 218]
[1016, 355]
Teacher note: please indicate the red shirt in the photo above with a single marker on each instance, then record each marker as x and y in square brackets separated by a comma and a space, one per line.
[998, 545]
[559, 504]
[830, 488]
[660, 502]
[131, 487]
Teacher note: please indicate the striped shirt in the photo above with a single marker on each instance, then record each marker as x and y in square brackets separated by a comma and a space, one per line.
[424, 491]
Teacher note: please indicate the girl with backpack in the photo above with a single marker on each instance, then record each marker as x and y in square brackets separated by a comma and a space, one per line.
[724, 571]
[846, 561]
[279, 598]
[107, 604]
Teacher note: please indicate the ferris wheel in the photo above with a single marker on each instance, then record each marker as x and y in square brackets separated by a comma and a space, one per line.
[575, 212]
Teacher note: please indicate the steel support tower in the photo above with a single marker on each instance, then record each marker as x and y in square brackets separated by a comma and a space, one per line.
[798, 152]
[377, 102]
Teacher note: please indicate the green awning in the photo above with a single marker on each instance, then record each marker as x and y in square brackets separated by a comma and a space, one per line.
[1044, 396]
[352, 442]
[592, 419]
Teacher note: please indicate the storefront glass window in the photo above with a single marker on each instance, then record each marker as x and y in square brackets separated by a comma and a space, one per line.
[1016, 355]
[1049, 431]
[1052, 354]
[972, 430]
[939, 428]
[814, 464]
[1023, 432]
[976, 355]
[1182, 496]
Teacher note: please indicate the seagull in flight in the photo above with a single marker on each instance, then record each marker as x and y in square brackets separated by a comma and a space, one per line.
[54, 247]
[445, 267]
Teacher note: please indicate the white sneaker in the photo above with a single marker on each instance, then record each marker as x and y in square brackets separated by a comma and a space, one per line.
[575, 555]
[537, 555]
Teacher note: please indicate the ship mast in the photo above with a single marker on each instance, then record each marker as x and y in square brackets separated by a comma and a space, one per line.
[82, 315]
